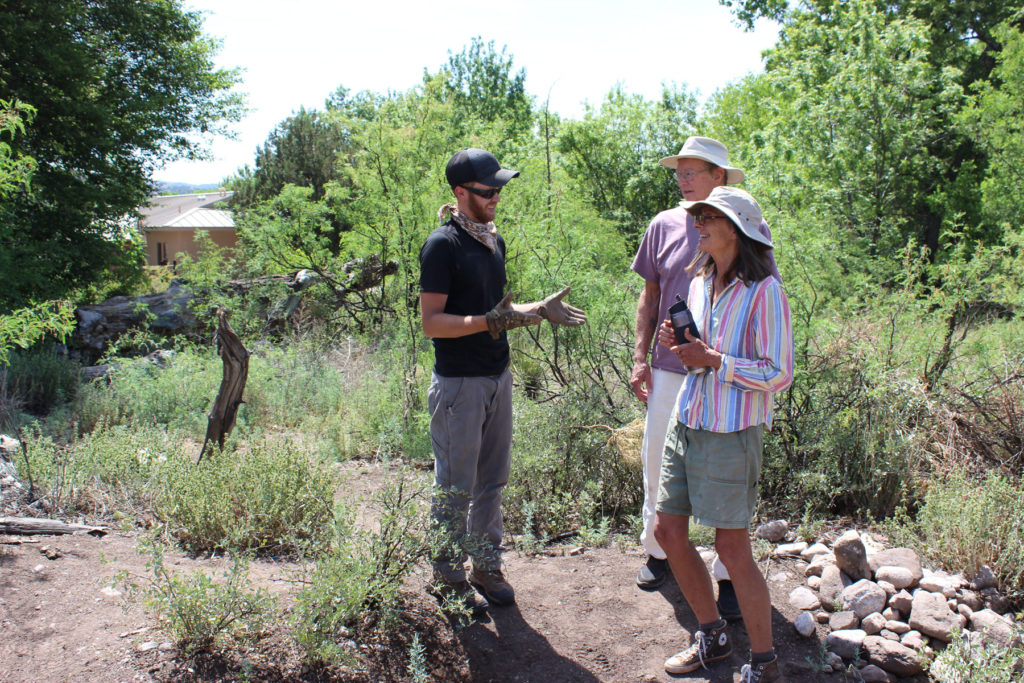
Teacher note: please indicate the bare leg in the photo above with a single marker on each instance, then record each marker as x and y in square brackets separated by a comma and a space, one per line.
[733, 546]
[673, 533]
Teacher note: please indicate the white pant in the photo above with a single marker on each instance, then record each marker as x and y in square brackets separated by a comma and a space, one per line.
[661, 414]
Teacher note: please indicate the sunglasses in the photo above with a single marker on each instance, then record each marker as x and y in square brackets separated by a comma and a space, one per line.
[486, 194]
[702, 218]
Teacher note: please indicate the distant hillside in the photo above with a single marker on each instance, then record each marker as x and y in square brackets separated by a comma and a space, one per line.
[183, 188]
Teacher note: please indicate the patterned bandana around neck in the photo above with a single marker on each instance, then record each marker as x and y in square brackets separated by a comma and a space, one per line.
[484, 233]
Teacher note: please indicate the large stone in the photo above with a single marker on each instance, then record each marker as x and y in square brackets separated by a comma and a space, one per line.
[940, 582]
[874, 674]
[899, 577]
[873, 623]
[818, 564]
[891, 656]
[901, 602]
[802, 597]
[897, 557]
[790, 549]
[985, 578]
[773, 531]
[930, 615]
[843, 621]
[805, 624]
[851, 556]
[992, 627]
[812, 551]
[863, 597]
[833, 582]
[897, 627]
[845, 643]
[913, 639]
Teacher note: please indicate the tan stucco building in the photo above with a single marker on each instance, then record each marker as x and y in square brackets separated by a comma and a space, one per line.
[169, 224]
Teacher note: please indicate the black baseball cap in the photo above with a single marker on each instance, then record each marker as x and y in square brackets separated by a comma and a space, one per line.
[477, 165]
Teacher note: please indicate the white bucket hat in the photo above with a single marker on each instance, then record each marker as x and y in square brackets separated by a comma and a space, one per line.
[709, 150]
[738, 206]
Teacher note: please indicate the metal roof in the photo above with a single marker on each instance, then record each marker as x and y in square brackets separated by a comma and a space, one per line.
[186, 211]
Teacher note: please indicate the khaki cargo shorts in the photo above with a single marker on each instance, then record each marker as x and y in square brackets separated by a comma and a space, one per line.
[711, 476]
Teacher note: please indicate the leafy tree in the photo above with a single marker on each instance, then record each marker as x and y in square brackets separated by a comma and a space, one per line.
[15, 170]
[612, 154]
[482, 88]
[120, 87]
[996, 118]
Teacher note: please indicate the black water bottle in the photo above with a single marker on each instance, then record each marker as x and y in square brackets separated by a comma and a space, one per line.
[681, 319]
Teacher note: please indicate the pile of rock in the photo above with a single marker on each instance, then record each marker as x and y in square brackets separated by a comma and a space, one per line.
[13, 491]
[880, 607]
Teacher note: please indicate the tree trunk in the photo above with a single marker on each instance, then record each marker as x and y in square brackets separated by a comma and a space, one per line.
[27, 526]
[232, 385]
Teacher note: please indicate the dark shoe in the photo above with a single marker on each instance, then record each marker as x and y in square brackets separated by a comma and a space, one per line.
[706, 648]
[493, 586]
[457, 596]
[652, 574]
[765, 672]
[728, 605]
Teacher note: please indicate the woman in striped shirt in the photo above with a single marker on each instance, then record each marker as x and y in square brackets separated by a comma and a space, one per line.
[712, 459]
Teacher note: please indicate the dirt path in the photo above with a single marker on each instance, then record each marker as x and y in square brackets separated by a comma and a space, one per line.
[578, 618]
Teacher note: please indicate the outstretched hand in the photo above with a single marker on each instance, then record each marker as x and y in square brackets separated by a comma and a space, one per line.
[504, 317]
[554, 310]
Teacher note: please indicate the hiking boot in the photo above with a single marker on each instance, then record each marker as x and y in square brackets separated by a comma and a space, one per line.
[455, 596]
[652, 574]
[728, 605]
[705, 648]
[765, 672]
[493, 586]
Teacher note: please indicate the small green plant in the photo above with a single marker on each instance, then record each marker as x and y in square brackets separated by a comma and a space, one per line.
[198, 611]
[970, 659]
[419, 670]
[596, 536]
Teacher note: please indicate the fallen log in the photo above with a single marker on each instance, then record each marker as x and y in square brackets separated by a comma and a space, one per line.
[232, 385]
[168, 312]
[30, 526]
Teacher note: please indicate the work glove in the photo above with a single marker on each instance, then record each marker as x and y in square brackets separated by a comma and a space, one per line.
[503, 317]
[555, 310]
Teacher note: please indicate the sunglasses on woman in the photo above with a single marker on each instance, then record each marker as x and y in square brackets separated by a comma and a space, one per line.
[486, 194]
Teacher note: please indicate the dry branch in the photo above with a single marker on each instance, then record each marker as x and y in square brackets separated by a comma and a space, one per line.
[232, 385]
[28, 526]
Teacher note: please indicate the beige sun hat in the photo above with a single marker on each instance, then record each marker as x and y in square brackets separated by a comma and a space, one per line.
[738, 206]
[709, 150]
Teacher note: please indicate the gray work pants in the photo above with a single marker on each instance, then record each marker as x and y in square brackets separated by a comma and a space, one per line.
[471, 431]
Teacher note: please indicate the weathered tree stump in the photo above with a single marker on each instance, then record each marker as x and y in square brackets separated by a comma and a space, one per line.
[229, 397]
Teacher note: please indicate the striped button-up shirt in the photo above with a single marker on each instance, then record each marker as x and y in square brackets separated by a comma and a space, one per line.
[750, 326]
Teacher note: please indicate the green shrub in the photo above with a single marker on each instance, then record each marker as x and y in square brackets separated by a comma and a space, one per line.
[964, 661]
[965, 523]
[357, 583]
[40, 380]
[271, 498]
[112, 468]
[197, 611]
[566, 475]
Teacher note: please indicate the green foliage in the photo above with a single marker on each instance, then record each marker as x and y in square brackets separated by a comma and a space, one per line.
[612, 155]
[201, 613]
[40, 380]
[985, 661]
[25, 326]
[123, 85]
[270, 498]
[15, 169]
[357, 582]
[966, 522]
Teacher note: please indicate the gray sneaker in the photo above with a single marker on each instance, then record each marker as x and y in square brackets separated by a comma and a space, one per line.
[705, 648]
[765, 672]
[493, 586]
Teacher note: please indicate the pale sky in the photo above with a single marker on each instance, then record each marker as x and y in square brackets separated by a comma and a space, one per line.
[297, 53]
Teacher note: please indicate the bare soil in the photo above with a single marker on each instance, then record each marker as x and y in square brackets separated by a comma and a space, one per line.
[579, 617]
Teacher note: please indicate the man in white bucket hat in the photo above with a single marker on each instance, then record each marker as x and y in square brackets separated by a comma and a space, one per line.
[667, 248]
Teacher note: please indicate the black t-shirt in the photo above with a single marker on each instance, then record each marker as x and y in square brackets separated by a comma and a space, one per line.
[452, 262]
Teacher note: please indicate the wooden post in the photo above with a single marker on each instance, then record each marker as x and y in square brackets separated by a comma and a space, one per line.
[229, 397]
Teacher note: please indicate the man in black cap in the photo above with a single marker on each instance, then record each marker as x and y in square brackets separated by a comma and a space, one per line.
[465, 313]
